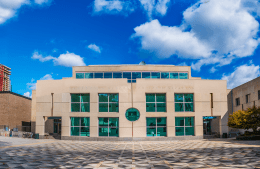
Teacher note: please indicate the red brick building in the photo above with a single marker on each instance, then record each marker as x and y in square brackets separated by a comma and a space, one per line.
[5, 83]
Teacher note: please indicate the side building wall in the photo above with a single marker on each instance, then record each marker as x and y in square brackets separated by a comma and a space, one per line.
[14, 109]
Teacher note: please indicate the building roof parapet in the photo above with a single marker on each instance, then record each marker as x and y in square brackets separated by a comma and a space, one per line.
[4, 92]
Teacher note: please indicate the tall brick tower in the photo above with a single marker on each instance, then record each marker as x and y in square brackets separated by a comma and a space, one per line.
[5, 82]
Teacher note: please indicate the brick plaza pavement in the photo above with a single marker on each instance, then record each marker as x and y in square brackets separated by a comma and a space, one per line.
[221, 153]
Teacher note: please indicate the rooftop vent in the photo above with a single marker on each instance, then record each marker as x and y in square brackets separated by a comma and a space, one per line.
[142, 63]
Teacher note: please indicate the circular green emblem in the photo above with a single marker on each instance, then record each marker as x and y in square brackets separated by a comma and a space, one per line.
[132, 114]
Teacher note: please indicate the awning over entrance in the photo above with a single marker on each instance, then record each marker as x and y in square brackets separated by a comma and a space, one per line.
[54, 117]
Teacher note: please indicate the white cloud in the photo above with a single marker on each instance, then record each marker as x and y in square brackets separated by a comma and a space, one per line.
[152, 7]
[94, 48]
[40, 2]
[8, 8]
[241, 75]
[213, 70]
[215, 32]
[112, 6]
[32, 84]
[67, 59]
[28, 94]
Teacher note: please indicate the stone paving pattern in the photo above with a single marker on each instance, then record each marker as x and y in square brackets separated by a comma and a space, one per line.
[30, 153]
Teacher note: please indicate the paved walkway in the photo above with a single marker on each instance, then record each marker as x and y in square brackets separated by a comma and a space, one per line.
[221, 153]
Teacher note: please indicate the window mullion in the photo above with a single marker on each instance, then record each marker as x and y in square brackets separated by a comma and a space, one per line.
[156, 126]
[108, 128]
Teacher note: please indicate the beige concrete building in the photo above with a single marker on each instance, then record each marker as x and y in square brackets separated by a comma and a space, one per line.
[130, 102]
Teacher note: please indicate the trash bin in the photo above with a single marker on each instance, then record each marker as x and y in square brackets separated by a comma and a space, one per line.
[36, 136]
[224, 135]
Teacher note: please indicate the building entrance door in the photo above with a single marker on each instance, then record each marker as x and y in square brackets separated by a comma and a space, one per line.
[57, 126]
[206, 127]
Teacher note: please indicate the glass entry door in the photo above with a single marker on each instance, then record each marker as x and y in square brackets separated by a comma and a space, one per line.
[206, 127]
[57, 126]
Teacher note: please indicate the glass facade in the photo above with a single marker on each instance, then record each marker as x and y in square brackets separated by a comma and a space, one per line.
[184, 103]
[108, 102]
[156, 102]
[156, 126]
[132, 76]
[184, 126]
[80, 103]
[108, 127]
[79, 126]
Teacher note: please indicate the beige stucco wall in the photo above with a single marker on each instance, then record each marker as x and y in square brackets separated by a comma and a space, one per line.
[63, 88]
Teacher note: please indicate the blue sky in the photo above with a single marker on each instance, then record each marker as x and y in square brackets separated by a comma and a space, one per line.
[43, 39]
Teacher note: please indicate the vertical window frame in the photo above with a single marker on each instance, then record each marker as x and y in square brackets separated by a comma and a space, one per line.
[184, 126]
[108, 102]
[108, 127]
[80, 126]
[157, 102]
[156, 126]
[79, 102]
[184, 102]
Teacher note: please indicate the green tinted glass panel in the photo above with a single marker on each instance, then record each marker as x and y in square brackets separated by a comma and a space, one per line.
[103, 121]
[113, 122]
[103, 97]
[132, 114]
[179, 131]
[150, 107]
[84, 131]
[84, 97]
[165, 75]
[183, 75]
[79, 75]
[189, 121]
[146, 75]
[75, 121]
[103, 132]
[160, 97]
[150, 132]
[161, 107]
[127, 75]
[75, 107]
[75, 97]
[117, 75]
[188, 97]
[84, 107]
[173, 75]
[113, 132]
[136, 75]
[89, 75]
[189, 131]
[155, 75]
[150, 97]
[103, 107]
[84, 121]
[107, 75]
[113, 107]
[178, 97]
[179, 107]
[188, 106]
[150, 122]
[161, 121]
[113, 97]
[179, 121]
[74, 131]
[161, 131]
[98, 75]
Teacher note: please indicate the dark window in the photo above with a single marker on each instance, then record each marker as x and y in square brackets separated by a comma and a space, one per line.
[247, 98]
[237, 101]
[156, 102]
[98, 75]
[258, 94]
[108, 75]
[79, 75]
[79, 126]
[184, 103]
[108, 102]
[80, 103]
[117, 75]
[156, 126]
[89, 75]
[108, 127]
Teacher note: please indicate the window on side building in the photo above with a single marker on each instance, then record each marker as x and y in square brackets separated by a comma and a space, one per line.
[79, 75]
[146, 75]
[108, 102]
[184, 126]
[156, 102]
[237, 101]
[108, 127]
[79, 126]
[89, 75]
[155, 75]
[247, 98]
[108, 75]
[174, 75]
[183, 75]
[258, 94]
[80, 103]
[184, 103]
[156, 126]
[164, 75]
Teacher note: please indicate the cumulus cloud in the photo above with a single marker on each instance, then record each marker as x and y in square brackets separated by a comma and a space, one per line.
[67, 59]
[152, 7]
[94, 48]
[241, 75]
[28, 94]
[40, 2]
[32, 85]
[215, 32]
[213, 70]
[112, 6]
